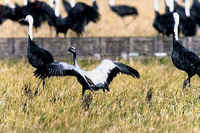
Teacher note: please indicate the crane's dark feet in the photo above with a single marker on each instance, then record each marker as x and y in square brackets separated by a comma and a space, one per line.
[87, 100]
[185, 84]
[36, 92]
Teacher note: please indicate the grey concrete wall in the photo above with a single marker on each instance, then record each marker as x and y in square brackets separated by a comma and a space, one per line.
[95, 47]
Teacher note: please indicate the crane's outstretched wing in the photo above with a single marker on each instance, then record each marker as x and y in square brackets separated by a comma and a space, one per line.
[108, 69]
[124, 10]
[67, 6]
[62, 69]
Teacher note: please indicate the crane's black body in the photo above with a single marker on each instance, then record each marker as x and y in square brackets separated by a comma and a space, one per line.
[61, 25]
[124, 10]
[164, 23]
[188, 26]
[185, 60]
[195, 11]
[80, 15]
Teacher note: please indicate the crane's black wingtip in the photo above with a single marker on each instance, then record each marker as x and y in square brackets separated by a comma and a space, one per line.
[128, 70]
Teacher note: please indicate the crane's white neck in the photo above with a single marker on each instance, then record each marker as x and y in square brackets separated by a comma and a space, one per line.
[187, 8]
[111, 2]
[25, 2]
[75, 60]
[51, 3]
[72, 3]
[30, 27]
[57, 10]
[156, 5]
[170, 4]
[176, 19]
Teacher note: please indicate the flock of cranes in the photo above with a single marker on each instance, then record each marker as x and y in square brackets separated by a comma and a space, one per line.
[79, 15]
[189, 18]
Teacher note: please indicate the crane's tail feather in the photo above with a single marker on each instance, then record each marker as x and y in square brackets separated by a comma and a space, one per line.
[128, 70]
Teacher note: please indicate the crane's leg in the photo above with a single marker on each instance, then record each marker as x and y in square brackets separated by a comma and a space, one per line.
[43, 83]
[187, 81]
[36, 90]
[190, 42]
[83, 92]
[184, 83]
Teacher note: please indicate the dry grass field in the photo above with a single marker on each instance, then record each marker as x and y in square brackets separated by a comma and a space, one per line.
[59, 107]
[109, 24]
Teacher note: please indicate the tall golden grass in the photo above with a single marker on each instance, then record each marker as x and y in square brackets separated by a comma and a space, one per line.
[109, 24]
[59, 107]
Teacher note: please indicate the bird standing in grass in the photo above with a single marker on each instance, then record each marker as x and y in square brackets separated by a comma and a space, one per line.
[183, 58]
[37, 57]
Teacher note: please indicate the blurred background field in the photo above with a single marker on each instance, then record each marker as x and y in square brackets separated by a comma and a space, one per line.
[109, 25]
[59, 107]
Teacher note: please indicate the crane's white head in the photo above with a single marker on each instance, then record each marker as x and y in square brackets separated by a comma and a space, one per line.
[7, 2]
[29, 19]
[72, 50]
[176, 19]
[187, 8]
[25, 2]
[156, 5]
[111, 2]
[72, 3]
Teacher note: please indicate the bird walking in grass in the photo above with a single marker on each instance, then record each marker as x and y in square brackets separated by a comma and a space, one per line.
[182, 58]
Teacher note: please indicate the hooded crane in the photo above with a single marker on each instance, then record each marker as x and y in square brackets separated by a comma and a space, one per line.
[183, 58]
[188, 23]
[164, 23]
[44, 62]
[104, 73]
[80, 15]
[123, 10]
[61, 25]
